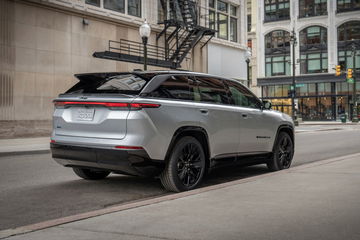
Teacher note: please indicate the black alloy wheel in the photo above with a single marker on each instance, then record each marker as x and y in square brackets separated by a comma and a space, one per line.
[186, 166]
[283, 153]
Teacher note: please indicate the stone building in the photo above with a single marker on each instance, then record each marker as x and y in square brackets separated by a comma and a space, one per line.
[327, 34]
[43, 43]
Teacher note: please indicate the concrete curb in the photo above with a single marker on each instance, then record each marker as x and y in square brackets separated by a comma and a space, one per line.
[60, 221]
[17, 153]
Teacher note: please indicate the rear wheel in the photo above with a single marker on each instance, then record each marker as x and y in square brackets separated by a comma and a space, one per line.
[186, 166]
[283, 153]
[90, 174]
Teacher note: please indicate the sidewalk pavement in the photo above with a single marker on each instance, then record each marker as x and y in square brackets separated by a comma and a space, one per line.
[314, 201]
[327, 123]
[24, 146]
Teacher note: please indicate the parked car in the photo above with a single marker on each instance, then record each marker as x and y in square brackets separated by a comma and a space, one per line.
[169, 124]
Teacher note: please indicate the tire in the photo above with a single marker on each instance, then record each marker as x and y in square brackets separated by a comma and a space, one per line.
[89, 174]
[185, 167]
[282, 154]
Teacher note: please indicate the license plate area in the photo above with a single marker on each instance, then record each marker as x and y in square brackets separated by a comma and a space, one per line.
[84, 114]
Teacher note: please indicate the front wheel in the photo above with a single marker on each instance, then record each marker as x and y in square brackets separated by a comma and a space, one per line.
[186, 166]
[283, 153]
[90, 174]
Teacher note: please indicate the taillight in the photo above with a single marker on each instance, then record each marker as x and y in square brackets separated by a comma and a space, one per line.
[138, 106]
[111, 105]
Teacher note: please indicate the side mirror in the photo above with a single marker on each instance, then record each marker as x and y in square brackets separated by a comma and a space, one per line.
[267, 105]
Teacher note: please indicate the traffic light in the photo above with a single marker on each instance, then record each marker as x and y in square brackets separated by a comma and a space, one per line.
[338, 70]
[349, 73]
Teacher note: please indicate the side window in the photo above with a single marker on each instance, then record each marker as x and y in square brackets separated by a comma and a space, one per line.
[175, 87]
[241, 96]
[212, 90]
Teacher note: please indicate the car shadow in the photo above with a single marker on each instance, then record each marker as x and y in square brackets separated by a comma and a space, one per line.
[54, 200]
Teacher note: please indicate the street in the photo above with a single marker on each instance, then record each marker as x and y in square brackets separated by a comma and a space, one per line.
[34, 188]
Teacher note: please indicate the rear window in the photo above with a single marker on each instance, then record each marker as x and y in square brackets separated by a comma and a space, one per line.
[125, 83]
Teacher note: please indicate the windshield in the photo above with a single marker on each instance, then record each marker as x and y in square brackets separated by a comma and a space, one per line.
[125, 83]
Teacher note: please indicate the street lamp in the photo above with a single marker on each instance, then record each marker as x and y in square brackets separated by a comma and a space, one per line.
[145, 31]
[248, 55]
[293, 42]
[354, 97]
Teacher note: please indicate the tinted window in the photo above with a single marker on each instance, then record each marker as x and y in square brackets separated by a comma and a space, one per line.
[241, 96]
[211, 90]
[97, 83]
[175, 87]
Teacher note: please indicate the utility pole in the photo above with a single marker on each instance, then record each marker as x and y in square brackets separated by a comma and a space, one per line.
[293, 41]
[354, 97]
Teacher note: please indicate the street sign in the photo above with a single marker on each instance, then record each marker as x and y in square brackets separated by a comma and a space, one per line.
[300, 85]
[350, 80]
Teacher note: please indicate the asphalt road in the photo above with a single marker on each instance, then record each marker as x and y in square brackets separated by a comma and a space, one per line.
[33, 188]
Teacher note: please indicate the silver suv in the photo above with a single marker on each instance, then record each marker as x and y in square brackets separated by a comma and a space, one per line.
[171, 124]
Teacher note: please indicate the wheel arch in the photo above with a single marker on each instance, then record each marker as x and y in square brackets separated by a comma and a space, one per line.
[289, 130]
[194, 131]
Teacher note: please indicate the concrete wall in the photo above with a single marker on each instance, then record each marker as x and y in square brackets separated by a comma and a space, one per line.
[227, 61]
[42, 45]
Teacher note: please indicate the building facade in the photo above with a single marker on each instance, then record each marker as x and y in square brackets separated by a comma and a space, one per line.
[252, 13]
[327, 34]
[43, 43]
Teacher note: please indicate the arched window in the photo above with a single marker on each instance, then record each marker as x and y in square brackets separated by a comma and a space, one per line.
[348, 5]
[277, 53]
[313, 50]
[309, 8]
[276, 10]
[349, 36]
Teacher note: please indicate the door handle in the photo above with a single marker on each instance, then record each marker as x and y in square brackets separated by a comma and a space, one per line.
[244, 115]
[204, 111]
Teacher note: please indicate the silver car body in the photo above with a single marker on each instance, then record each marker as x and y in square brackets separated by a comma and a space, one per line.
[231, 130]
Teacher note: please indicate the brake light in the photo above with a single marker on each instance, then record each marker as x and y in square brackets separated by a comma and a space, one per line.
[112, 105]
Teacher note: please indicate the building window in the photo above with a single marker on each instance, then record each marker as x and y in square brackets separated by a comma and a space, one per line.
[133, 6]
[115, 5]
[276, 10]
[313, 50]
[277, 53]
[309, 8]
[349, 35]
[249, 23]
[277, 65]
[314, 63]
[348, 5]
[93, 2]
[223, 18]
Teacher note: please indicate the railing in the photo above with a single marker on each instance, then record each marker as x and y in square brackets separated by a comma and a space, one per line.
[137, 49]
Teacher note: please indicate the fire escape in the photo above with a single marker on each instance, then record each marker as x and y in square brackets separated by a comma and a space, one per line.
[183, 30]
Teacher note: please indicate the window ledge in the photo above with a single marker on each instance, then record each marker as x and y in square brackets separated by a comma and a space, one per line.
[276, 21]
[228, 43]
[346, 10]
[312, 17]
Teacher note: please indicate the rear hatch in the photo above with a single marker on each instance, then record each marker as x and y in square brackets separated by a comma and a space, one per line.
[97, 106]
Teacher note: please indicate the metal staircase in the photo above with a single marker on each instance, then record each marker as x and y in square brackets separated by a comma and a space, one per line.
[186, 32]
[181, 33]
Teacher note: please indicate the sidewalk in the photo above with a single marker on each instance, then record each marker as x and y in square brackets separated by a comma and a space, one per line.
[327, 123]
[24, 146]
[313, 201]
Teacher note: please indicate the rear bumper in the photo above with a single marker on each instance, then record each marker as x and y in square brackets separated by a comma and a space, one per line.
[133, 162]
